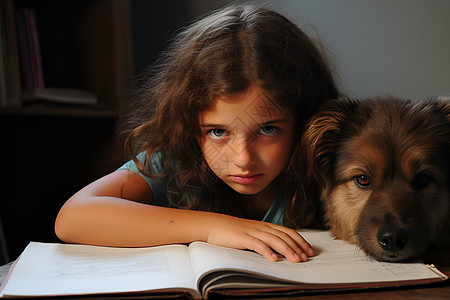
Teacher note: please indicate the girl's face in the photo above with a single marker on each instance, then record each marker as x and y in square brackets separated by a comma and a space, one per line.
[246, 139]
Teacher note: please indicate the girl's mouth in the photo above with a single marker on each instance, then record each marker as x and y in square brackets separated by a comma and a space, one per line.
[245, 178]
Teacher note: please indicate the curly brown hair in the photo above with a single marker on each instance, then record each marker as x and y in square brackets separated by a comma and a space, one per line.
[223, 53]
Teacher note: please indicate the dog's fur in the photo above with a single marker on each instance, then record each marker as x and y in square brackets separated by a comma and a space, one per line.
[383, 167]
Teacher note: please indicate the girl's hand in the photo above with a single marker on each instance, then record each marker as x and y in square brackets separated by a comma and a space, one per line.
[260, 237]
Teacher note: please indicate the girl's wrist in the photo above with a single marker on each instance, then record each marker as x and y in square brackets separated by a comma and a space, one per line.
[201, 223]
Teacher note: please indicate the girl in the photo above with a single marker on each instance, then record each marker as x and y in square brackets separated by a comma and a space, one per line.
[216, 147]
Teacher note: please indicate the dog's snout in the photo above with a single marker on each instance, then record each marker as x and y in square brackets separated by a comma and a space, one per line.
[393, 239]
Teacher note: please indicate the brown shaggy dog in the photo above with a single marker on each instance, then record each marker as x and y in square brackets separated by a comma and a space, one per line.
[383, 166]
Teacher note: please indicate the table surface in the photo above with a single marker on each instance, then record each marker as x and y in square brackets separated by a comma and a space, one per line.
[440, 258]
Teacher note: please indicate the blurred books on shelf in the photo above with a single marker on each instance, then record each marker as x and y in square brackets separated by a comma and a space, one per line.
[9, 65]
[32, 75]
[22, 67]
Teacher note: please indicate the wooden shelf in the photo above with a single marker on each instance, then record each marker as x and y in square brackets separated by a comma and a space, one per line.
[50, 151]
[48, 111]
[84, 44]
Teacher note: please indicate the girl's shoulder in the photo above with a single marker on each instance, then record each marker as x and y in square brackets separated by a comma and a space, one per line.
[155, 166]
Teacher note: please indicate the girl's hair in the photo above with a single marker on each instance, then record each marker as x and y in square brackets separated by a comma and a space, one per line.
[224, 53]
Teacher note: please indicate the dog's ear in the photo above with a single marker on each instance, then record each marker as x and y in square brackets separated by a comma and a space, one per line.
[443, 109]
[322, 135]
[444, 106]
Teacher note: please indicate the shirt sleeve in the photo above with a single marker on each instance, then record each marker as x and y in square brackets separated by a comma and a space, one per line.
[157, 185]
[275, 214]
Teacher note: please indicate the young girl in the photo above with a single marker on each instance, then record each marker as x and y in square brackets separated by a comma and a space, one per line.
[216, 147]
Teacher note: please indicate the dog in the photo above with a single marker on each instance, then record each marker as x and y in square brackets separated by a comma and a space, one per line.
[383, 170]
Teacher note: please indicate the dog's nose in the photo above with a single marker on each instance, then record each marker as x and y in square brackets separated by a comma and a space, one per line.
[393, 239]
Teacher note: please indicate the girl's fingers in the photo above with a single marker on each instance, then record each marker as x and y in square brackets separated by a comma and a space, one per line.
[281, 243]
[284, 245]
[300, 241]
[286, 242]
[264, 238]
[260, 247]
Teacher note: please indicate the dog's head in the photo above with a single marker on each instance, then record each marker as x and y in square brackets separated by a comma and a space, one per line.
[383, 165]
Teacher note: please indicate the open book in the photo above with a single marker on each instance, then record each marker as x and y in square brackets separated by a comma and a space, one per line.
[198, 269]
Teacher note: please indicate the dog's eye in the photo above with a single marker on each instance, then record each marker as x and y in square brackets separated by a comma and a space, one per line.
[421, 181]
[362, 181]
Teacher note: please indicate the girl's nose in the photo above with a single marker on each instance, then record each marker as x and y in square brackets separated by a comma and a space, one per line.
[243, 156]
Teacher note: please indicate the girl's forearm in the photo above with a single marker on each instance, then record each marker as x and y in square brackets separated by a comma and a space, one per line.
[109, 221]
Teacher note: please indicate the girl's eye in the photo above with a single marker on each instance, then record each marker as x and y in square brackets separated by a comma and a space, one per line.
[362, 181]
[217, 133]
[269, 130]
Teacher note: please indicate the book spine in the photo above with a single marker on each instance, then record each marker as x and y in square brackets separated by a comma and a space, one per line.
[3, 99]
[11, 62]
[35, 53]
[24, 52]
[40, 69]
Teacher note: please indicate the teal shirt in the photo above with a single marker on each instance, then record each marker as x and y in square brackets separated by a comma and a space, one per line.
[275, 214]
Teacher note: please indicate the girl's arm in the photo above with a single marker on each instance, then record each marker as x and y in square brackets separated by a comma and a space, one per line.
[115, 210]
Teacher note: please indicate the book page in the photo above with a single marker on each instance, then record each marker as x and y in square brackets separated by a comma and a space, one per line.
[61, 269]
[336, 262]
